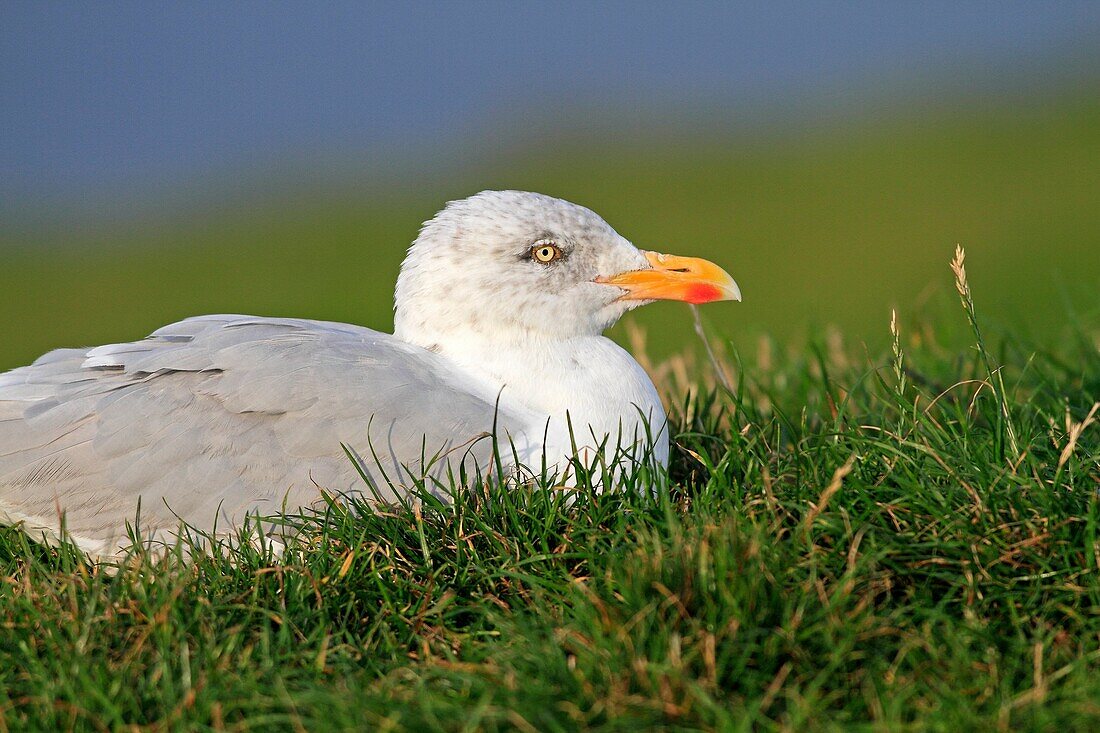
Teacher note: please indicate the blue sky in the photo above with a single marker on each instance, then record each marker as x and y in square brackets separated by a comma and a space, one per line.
[111, 95]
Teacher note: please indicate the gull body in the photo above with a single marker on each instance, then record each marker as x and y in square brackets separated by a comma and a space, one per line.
[499, 312]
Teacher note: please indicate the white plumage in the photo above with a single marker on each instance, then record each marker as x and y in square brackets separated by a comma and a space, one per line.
[213, 418]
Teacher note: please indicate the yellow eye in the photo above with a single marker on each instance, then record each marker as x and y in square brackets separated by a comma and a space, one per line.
[545, 253]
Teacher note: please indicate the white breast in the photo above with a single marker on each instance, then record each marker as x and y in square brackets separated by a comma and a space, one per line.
[585, 392]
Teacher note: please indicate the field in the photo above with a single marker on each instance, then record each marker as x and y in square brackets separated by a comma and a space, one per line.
[908, 540]
[869, 524]
[822, 224]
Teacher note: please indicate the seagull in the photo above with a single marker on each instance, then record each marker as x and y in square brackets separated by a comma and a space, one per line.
[497, 359]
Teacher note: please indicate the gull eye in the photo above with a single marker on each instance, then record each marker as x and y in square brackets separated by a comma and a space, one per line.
[545, 252]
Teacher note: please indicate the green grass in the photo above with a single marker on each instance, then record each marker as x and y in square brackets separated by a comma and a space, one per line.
[901, 540]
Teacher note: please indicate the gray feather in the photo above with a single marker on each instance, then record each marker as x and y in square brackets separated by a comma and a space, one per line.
[216, 417]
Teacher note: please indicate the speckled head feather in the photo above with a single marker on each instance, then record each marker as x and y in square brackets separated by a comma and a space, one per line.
[471, 271]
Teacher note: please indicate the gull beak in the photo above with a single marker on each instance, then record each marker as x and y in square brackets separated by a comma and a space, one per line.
[688, 279]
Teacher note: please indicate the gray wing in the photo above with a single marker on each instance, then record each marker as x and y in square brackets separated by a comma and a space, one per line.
[215, 417]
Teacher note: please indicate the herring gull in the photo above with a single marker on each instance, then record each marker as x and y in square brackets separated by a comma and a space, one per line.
[500, 307]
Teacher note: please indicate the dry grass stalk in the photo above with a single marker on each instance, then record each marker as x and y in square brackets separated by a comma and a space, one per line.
[1073, 433]
[996, 381]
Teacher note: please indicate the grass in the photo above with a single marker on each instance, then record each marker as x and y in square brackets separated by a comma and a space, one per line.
[906, 540]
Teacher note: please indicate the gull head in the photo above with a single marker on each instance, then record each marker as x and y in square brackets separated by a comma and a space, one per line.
[518, 265]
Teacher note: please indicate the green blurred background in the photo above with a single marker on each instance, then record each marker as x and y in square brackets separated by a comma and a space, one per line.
[828, 212]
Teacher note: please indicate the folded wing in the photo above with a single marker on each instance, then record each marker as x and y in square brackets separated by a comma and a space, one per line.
[215, 417]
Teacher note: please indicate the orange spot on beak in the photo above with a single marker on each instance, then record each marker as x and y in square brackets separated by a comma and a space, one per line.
[702, 293]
